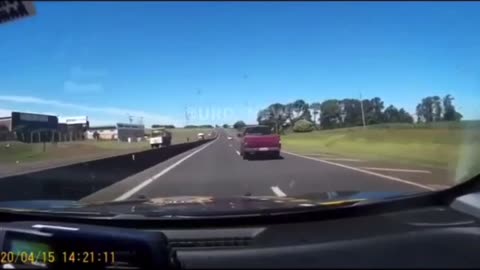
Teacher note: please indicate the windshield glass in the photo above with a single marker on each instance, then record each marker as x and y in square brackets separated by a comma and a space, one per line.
[258, 131]
[159, 133]
[369, 100]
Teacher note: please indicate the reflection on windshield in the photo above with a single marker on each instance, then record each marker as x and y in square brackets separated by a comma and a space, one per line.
[111, 112]
[258, 131]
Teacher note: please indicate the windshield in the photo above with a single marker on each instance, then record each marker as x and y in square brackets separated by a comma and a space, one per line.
[258, 131]
[369, 100]
[159, 133]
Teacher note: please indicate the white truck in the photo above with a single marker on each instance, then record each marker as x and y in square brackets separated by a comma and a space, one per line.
[160, 138]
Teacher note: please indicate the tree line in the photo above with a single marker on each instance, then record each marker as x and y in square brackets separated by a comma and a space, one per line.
[349, 112]
[163, 126]
[198, 126]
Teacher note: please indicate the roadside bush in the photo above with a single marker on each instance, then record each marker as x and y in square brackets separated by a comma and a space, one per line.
[303, 126]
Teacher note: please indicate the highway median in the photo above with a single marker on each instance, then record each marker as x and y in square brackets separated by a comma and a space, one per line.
[74, 181]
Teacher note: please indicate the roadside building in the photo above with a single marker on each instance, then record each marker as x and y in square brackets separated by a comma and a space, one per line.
[120, 132]
[5, 128]
[73, 128]
[29, 127]
[102, 133]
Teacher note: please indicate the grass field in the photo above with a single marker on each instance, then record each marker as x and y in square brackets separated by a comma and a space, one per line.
[180, 135]
[23, 152]
[444, 145]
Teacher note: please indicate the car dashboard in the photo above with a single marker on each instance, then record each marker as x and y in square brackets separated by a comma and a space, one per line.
[430, 236]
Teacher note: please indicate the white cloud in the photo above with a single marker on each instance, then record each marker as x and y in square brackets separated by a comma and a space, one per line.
[85, 80]
[5, 112]
[79, 73]
[102, 121]
[73, 87]
[121, 113]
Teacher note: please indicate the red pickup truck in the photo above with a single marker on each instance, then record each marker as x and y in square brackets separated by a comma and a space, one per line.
[259, 139]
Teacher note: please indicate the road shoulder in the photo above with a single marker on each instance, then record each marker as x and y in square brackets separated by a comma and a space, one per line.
[116, 190]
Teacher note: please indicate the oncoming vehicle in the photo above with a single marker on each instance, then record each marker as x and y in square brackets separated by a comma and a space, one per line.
[160, 137]
[259, 140]
[201, 136]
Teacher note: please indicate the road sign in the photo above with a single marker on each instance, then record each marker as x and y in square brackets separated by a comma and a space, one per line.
[12, 10]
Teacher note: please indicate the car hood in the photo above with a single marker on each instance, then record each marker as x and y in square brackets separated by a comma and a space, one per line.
[179, 206]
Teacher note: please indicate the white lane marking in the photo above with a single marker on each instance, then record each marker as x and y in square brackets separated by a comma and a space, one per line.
[343, 159]
[238, 152]
[41, 226]
[364, 171]
[395, 170]
[306, 204]
[134, 190]
[332, 195]
[278, 191]
[435, 186]
[320, 155]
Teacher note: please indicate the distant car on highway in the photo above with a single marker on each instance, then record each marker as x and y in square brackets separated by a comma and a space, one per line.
[259, 139]
[201, 136]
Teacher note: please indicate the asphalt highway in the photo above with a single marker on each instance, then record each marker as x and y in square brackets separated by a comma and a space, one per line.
[217, 169]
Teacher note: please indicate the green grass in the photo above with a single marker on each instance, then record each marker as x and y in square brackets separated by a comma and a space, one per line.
[24, 152]
[109, 145]
[467, 124]
[180, 135]
[457, 146]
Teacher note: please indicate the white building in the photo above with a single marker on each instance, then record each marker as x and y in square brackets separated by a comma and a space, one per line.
[73, 127]
[120, 132]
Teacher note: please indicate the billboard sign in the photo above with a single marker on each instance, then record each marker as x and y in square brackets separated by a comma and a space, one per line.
[73, 120]
[34, 121]
[30, 117]
[13, 10]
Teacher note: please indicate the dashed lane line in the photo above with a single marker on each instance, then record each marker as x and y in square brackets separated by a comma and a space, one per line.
[278, 192]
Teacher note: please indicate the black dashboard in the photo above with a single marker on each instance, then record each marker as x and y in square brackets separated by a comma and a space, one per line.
[429, 231]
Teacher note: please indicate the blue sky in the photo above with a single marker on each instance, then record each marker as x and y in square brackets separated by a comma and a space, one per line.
[223, 61]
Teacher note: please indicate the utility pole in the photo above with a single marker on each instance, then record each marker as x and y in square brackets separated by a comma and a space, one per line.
[363, 113]
[187, 116]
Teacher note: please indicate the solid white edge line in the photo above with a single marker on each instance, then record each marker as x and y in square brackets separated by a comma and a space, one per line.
[440, 186]
[278, 191]
[134, 190]
[395, 170]
[364, 171]
[343, 159]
